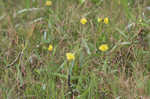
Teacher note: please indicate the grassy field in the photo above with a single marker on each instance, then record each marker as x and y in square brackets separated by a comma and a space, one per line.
[108, 42]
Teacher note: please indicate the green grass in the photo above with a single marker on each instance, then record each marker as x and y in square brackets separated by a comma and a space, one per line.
[29, 71]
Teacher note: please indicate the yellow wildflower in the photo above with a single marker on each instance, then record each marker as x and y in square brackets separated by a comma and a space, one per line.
[83, 21]
[70, 56]
[106, 20]
[99, 20]
[103, 47]
[48, 3]
[140, 20]
[50, 48]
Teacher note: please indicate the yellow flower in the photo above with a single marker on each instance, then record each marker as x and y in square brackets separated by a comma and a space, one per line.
[99, 20]
[140, 20]
[83, 21]
[70, 56]
[48, 3]
[106, 20]
[50, 48]
[103, 47]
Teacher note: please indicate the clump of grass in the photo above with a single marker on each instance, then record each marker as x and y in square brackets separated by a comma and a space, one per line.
[109, 41]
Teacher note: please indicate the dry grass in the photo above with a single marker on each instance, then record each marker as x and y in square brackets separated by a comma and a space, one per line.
[29, 71]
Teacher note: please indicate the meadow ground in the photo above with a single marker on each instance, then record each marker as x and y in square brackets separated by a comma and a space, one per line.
[75, 49]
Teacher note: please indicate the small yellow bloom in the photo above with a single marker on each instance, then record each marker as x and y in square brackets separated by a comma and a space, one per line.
[48, 3]
[106, 20]
[103, 47]
[70, 56]
[99, 20]
[140, 20]
[83, 21]
[50, 48]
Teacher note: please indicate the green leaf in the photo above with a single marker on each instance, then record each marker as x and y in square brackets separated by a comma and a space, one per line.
[28, 3]
[86, 46]
[81, 1]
